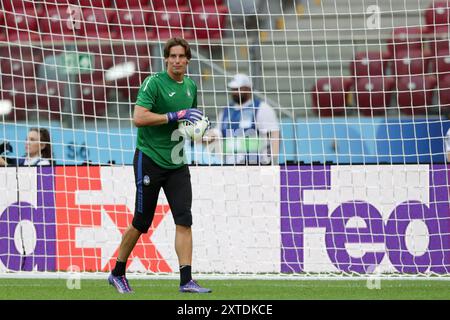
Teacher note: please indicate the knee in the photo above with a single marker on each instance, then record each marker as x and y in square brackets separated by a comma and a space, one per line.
[141, 224]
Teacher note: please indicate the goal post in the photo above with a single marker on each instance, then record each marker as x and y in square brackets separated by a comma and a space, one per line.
[336, 167]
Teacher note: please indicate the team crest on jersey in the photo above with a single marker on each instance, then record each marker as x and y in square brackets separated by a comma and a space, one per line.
[188, 93]
[146, 180]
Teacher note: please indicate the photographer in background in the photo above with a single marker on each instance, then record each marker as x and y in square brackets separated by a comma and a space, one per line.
[38, 150]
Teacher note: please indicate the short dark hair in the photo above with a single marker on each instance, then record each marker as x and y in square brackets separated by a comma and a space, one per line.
[44, 137]
[172, 42]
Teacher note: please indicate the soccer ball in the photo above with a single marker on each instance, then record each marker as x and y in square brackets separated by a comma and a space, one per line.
[194, 131]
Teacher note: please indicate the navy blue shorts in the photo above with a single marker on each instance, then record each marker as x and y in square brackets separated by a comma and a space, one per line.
[150, 178]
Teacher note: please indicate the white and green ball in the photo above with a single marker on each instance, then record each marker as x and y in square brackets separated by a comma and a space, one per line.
[194, 131]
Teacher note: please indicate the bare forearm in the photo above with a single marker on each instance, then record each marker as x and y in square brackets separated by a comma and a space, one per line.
[275, 145]
[143, 117]
[2, 162]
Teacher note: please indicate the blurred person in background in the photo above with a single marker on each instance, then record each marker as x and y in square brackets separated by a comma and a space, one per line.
[38, 150]
[248, 128]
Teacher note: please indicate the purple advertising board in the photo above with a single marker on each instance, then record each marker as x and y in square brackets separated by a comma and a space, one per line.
[396, 216]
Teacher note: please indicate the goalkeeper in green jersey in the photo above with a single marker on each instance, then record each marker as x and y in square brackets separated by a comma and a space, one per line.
[163, 99]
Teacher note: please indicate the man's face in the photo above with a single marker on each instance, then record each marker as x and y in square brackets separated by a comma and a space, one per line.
[241, 95]
[177, 61]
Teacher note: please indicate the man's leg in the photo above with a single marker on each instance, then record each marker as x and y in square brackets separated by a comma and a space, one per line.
[129, 239]
[183, 248]
[117, 277]
[183, 245]
[178, 191]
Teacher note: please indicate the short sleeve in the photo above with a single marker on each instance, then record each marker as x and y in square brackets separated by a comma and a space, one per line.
[147, 93]
[266, 119]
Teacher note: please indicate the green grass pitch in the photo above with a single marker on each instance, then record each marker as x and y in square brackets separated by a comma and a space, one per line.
[57, 289]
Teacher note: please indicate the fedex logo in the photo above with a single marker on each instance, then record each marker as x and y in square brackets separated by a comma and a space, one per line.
[365, 218]
[67, 216]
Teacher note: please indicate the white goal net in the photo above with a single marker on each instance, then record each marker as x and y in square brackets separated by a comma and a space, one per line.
[326, 154]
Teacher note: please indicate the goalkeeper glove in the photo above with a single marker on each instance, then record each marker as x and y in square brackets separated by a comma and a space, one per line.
[191, 115]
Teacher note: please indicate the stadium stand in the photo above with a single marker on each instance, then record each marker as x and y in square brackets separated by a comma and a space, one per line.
[173, 22]
[97, 23]
[132, 24]
[373, 95]
[22, 25]
[372, 63]
[415, 93]
[330, 96]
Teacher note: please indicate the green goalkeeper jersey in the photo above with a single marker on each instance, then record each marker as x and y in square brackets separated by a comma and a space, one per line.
[161, 94]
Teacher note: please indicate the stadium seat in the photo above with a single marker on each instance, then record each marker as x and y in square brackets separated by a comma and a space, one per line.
[22, 26]
[209, 21]
[57, 26]
[55, 4]
[405, 39]
[437, 17]
[415, 93]
[132, 24]
[97, 23]
[92, 99]
[17, 68]
[205, 3]
[173, 22]
[96, 3]
[373, 95]
[52, 99]
[163, 5]
[139, 56]
[132, 4]
[411, 62]
[370, 63]
[19, 63]
[329, 96]
[444, 95]
[20, 5]
[441, 67]
[22, 94]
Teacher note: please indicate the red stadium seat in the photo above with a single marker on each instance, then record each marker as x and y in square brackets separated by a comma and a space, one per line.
[92, 99]
[205, 3]
[444, 95]
[19, 63]
[22, 94]
[442, 67]
[19, 5]
[209, 21]
[411, 62]
[97, 23]
[22, 26]
[373, 95]
[59, 25]
[139, 55]
[371, 63]
[96, 3]
[440, 47]
[122, 4]
[52, 99]
[405, 39]
[173, 23]
[55, 4]
[415, 93]
[163, 5]
[132, 24]
[437, 17]
[329, 96]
